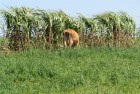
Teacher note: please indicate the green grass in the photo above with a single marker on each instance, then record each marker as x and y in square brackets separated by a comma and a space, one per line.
[71, 71]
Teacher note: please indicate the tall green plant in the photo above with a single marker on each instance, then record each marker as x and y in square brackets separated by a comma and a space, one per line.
[35, 28]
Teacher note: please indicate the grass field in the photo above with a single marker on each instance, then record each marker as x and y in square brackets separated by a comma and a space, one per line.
[71, 71]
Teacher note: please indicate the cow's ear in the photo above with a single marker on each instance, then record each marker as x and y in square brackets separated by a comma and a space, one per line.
[65, 30]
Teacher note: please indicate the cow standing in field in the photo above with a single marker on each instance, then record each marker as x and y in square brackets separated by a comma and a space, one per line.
[71, 38]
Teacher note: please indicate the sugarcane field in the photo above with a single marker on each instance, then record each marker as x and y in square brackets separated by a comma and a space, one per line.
[50, 51]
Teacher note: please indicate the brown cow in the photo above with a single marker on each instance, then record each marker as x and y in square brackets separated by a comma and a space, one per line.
[71, 38]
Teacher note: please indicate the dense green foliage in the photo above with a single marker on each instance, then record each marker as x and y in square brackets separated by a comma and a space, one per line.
[71, 71]
[27, 28]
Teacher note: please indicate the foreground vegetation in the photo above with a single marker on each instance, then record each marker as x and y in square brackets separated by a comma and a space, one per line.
[44, 67]
[71, 71]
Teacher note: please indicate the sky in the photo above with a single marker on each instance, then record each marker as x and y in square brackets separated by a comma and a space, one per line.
[85, 7]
